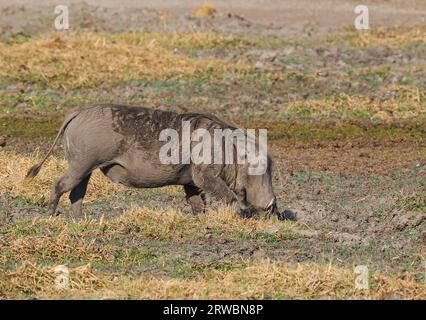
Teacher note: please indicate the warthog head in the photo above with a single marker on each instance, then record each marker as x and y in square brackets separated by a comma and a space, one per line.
[255, 193]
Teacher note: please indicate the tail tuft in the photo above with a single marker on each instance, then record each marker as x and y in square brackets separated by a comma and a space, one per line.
[33, 171]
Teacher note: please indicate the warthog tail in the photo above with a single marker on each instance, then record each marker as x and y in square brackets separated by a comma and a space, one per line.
[35, 169]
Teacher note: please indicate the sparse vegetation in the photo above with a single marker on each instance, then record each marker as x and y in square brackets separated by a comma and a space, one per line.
[346, 124]
[206, 9]
[394, 37]
[407, 103]
[88, 59]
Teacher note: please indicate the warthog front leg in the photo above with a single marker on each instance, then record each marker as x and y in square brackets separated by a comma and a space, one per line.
[195, 198]
[209, 182]
[213, 185]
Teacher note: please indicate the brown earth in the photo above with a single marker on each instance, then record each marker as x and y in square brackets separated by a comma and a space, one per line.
[270, 17]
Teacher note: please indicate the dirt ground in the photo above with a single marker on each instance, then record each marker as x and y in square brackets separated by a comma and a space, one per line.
[272, 17]
[346, 119]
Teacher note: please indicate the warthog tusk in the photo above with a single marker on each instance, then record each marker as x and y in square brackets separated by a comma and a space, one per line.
[271, 203]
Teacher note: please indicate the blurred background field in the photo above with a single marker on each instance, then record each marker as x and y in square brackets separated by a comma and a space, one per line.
[346, 117]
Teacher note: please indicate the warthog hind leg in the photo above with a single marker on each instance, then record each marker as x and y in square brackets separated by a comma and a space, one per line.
[77, 195]
[70, 180]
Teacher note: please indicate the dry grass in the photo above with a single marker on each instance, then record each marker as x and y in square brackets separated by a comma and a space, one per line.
[256, 281]
[32, 249]
[268, 280]
[408, 102]
[75, 60]
[172, 224]
[30, 278]
[206, 10]
[381, 36]
[65, 246]
[106, 256]
[14, 167]
[55, 239]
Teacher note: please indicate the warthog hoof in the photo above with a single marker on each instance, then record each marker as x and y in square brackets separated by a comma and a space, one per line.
[246, 213]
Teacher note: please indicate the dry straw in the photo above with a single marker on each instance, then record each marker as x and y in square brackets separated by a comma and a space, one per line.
[408, 102]
[14, 166]
[34, 248]
[381, 36]
[395, 37]
[206, 10]
[255, 281]
[77, 60]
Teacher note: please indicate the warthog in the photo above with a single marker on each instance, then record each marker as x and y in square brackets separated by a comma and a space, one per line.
[123, 142]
